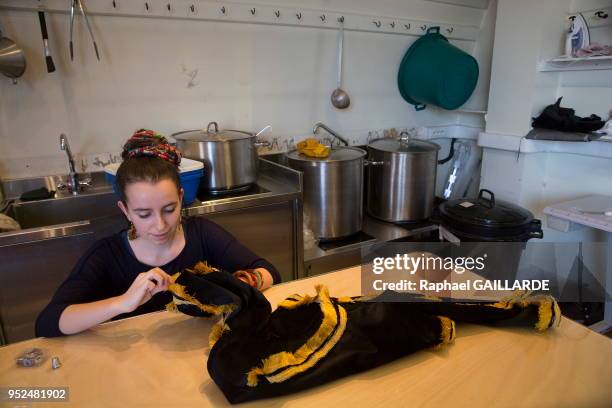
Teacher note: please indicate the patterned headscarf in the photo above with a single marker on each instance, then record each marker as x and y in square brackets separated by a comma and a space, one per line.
[148, 143]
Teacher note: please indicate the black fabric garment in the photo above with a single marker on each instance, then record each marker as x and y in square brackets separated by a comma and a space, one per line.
[309, 341]
[564, 119]
[109, 268]
[549, 134]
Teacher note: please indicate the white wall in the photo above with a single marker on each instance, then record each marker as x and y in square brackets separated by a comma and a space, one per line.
[526, 33]
[247, 76]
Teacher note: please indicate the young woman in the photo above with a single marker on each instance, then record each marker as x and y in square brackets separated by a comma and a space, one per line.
[128, 273]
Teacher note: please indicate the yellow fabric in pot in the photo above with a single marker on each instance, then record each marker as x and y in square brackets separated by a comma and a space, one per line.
[312, 148]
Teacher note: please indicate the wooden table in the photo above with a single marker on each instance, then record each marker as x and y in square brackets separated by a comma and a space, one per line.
[159, 359]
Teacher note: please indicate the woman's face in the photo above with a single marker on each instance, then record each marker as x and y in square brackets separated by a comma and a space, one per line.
[154, 209]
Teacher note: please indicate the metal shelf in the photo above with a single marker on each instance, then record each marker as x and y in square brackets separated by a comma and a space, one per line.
[251, 14]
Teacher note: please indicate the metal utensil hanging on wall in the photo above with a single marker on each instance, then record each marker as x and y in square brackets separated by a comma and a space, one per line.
[78, 4]
[12, 60]
[45, 37]
[339, 98]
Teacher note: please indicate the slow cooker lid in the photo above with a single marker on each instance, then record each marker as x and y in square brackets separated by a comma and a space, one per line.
[337, 154]
[485, 211]
[212, 133]
[404, 145]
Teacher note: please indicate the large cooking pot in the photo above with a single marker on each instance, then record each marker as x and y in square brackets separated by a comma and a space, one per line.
[401, 179]
[229, 156]
[332, 190]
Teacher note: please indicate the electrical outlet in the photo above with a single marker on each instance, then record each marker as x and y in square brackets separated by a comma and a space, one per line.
[438, 132]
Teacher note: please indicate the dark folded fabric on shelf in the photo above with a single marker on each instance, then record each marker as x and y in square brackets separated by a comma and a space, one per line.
[556, 135]
[311, 340]
[564, 119]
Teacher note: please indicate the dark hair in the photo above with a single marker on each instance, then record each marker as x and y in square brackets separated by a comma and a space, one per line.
[149, 169]
[147, 156]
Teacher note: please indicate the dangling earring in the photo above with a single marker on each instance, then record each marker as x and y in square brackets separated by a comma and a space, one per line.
[132, 235]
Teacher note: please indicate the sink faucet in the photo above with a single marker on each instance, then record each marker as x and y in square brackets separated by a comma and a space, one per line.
[74, 184]
[321, 125]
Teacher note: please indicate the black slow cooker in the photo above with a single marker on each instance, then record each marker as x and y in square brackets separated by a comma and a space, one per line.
[485, 219]
[495, 229]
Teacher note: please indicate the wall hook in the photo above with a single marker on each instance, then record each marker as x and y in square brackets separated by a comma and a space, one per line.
[192, 8]
[424, 27]
[277, 14]
[407, 26]
[377, 23]
[341, 19]
[392, 24]
[298, 15]
[223, 10]
[450, 30]
[323, 17]
[601, 14]
[114, 4]
[253, 11]
[169, 7]
[147, 5]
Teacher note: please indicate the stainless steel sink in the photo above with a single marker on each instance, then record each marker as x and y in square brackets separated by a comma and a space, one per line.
[55, 233]
[65, 215]
[64, 210]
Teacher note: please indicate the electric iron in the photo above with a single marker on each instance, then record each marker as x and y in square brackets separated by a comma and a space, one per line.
[577, 36]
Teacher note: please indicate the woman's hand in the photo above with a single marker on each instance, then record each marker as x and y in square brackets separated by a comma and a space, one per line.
[143, 288]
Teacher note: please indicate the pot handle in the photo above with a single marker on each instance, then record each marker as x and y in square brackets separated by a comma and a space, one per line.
[213, 124]
[536, 229]
[373, 163]
[490, 202]
[435, 29]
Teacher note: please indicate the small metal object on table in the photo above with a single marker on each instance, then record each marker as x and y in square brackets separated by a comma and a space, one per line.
[30, 358]
[55, 363]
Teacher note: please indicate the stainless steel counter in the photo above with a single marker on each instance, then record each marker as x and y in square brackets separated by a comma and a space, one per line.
[275, 184]
[381, 232]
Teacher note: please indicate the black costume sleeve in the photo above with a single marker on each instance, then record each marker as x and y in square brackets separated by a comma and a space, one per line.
[223, 251]
[86, 283]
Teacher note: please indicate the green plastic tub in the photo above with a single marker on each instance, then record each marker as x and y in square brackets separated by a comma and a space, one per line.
[436, 72]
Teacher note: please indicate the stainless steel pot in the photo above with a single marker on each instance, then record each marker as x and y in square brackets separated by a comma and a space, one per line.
[333, 191]
[401, 179]
[229, 156]
[12, 60]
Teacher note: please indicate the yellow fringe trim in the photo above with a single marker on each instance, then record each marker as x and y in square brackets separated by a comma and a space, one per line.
[179, 290]
[318, 355]
[202, 268]
[549, 313]
[283, 359]
[295, 301]
[217, 331]
[171, 307]
[447, 334]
